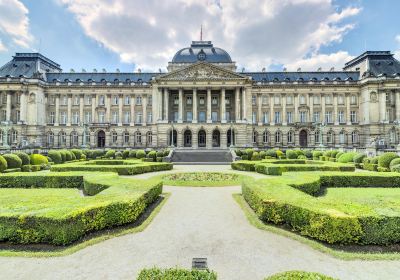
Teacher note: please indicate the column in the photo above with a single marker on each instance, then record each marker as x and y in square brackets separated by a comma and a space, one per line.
[166, 105]
[69, 110]
[323, 107]
[180, 106]
[8, 108]
[382, 106]
[259, 107]
[209, 106]
[284, 121]
[159, 104]
[81, 103]
[296, 107]
[194, 108]
[23, 108]
[348, 120]
[132, 110]
[311, 106]
[397, 93]
[244, 111]
[94, 117]
[271, 109]
[144, 106]
[108, 108]
[335, 109]
[57, 114]
[237, 104]
[120, 115]
[223, 106]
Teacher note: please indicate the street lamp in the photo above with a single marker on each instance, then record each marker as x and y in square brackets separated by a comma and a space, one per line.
[231, 146]
[172, 134]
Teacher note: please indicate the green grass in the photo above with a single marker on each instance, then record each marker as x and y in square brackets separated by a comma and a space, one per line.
[202, 179]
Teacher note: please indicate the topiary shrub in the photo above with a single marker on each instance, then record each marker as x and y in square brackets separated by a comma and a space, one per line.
[63, 154]
[238, 152]
[249, 153]
[166, 153]
[290, 154]
[38, 159]
[346, 157]
[279, 153]
[55, 156]
[302, 157]
[334, 153]
[118, 154]
[13, 161]
[160, 154]
[140, 154]
[110, 154]
[255, 156]
[298, 275]
[244, 157]
[3, 164]
[152, 155]
[394, 162]
[395, 168]
[358, 158]
[125, 154]
[339, 154]
[385, 159]
[24, 157]
[262, 154]
[78, 153]
[132, 154]
[316, 154]
[271, 153]
[327, 154]
[308, 154]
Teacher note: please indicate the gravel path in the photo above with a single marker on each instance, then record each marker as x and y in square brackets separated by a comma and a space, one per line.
[196, 222]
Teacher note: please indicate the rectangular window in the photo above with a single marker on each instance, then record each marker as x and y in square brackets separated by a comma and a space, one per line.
[289, 117]
[303, 116]
[139, 118]
[75, 117]
[254, 117]
[340, 100]
[88, 100]
[188, 100]
[328, 117]
[101, 100]
[189, 116]
[353, 99]
[316, 99]
[176, 116]
[138, 100]
[63, 117]
[52, 118]
[266, 117]
[214, 100]
[289, 99]
[265, 99]
[254, 100]
[176, 100]
[149, 117]
[227, 100]
[353, 117]
[76, 100]
[214, 116]
[202, 116]
[52, 100]
[88, 117]
[115, 100]
[277, 100]
[277, 117]
[228, 116]
[328, 99]
[18, 115]
[64, 100]
[127, 100]
[341, 116]
[114, 118]
[101, 117]
[3, 115]
[127, 117]
[316, 117]
[150, 100]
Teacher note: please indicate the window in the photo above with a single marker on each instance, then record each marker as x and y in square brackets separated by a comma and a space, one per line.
[52, 117]
[353, 116]
[214, 100]
[139, 118]
[316, 117]
[340, 100]
[265, 117]
[14, 136]
[50, 138]
[302, 100]
[227, 100]
[202, 116]
[353, 99]
[289, 99]
[115, 100]
[127, 100]
[176, 100]
[278, 137]
[127, 117]
[76, 100]
[277, 117]
[150, 100]
[317, 136]
[328, 117]
[316, 99]
[63, 117]
[75, 117]
[265, 99]
[126, 138]
[18, 115]
[392, 136]
[228, 116]
[254, 117]
[188, 100]
[62, 138]
[114, 137]
[329, 137]
[277, 100]
[18, 98]
[328, 99]
[265, 137]
[52, 100]
[88, 100]
[149, 138]
[64, 100]
[342, 137]
[138, 137]
[303, 116]
[289, 117]
[290, 137]
[114, 117]
[341, 117]
[3, 115]
[138, 100]
[176, 116]
[254, 100]
[189, 116]
[74, 139]
[88, 117]
[201, 100]
[255, 136]
[101, 117]
[101, 100]
[214, 116]
[354, 137]
[149, 117]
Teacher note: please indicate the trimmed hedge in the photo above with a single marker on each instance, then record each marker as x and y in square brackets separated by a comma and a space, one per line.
[55, 156]
[140, 154]
[385, 159]
[38, 159]
[347, 157]
[176, 274]
[3, 164]
[290, 154]
[298, 275]
[110, 154]
[13, 161]
[24, 157]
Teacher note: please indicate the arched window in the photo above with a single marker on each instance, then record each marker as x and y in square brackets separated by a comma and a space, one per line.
[255, 136]
[62, 138]
[14, 136]
[265, 137]
[74, 138]
[278, 137]
[329, 137]
[1, 136]
[342, 137]
[290, 137]
[392, 136]
[149, 138]
[317, 136]
[50, 138]
[354, 137]
[138, 138]
[126, 137]
[114, 137]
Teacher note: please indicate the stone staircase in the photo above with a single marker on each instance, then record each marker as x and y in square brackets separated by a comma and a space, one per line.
[201, 157]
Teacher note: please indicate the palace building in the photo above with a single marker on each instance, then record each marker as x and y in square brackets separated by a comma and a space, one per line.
[201, 102]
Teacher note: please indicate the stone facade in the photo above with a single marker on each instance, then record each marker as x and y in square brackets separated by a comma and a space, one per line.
[203, 101]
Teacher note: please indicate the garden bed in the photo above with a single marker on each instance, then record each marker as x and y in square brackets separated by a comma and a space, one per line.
[202, 179]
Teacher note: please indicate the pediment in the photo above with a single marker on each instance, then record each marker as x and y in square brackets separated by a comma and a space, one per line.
[202, 71]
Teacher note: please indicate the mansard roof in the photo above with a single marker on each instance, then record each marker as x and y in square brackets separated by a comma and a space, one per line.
[304, 76]
[380, 63]
[101, 77]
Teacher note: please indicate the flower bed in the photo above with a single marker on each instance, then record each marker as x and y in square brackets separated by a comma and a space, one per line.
[202, 179]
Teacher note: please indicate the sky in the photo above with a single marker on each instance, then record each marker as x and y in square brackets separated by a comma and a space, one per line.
[129, 34]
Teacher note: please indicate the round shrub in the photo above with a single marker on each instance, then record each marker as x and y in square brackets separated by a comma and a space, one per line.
[132, 154]
[279, 153]
[358, 158]
[24, 157]
[244, 157]
[347, 157]
[55, 156]
[299, 153]
[166, 153]
[394, 162]
[255, 156]
[339, 154]
[262, 154]
[374, 160]
[38, 159]
[327, 153]
[152, 155]
[3, 164]
[110, 154]
[125, 154]
[78, 153]
[298, 275]
[395, 168]
[249, 153]
[63, 155]
[140, 154]
[290, 154]
[317, 154]
[302, 157]
[271, 153]
[238, 152]
[308, 153]
[160, 153]
[118, 154]
[334, 153]
[13, 161]
[385, 159]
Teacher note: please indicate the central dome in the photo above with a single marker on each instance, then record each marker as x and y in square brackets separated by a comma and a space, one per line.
[202, 51]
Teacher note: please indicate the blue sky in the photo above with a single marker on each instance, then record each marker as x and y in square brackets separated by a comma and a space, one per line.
[131, 34]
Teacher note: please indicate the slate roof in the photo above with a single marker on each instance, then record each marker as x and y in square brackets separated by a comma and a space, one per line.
[101, 77]
[304, 76]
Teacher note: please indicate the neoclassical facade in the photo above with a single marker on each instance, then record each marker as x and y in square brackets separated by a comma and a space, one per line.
[201, 102]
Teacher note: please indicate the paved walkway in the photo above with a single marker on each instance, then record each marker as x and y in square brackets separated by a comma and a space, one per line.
[196, 222]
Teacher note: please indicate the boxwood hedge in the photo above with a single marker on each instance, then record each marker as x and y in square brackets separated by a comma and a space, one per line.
[176, 274]
[298, 275]
[13, 161]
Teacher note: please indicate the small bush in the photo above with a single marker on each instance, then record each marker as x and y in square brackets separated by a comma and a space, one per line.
[279, 153]
[166, 153]
[339, 154]
[110, 154]
[316, 154]
[63, 154]
[308, 154]
[176, 274]
[262, 154]
[55, 156]
[140, 154]
[334, 153]
[125, 154]
[132, 154]
[385, 159]
[290, 154]
[78, 153]
[238, 152]
[302, 157]
[255, 156]
[244, 157]
[396, 161]
[38, 159]
[358, 158]
[271, 153]
[249, 153]
[13, 161]
[346, 157]
[395, 168]
[160, 154]
[24, 157]
[118, 154]
[152, 155]
[298, 275]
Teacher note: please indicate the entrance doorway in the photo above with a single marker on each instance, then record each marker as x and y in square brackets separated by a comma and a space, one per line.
[101, 139]
[201, 138]
[303, 138]
[230, 136]
[216, 138]
[187, 136]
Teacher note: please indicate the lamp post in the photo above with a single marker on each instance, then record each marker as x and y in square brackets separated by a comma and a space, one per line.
[321, 133]
[231, 146]
[84, 134]
[172, 134]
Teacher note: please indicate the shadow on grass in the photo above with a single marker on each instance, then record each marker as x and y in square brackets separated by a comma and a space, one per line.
[91, 238]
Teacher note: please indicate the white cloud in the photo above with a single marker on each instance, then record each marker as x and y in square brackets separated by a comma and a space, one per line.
[325, 61]
[2, 47]
[14, 22]
[256, 33]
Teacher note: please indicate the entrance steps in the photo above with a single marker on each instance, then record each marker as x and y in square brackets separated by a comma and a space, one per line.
[201, 157]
